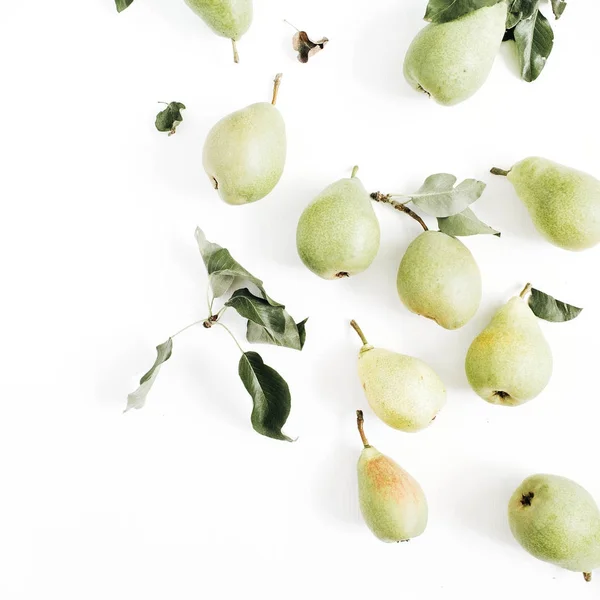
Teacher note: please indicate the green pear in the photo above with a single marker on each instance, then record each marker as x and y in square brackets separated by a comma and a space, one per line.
[451, 61]
[557, 521]
[404, 392]
[227, 18]
[510, 362]
[338, 232]
[392, 503]
[244, 153]
[564, 204]
[439, 279]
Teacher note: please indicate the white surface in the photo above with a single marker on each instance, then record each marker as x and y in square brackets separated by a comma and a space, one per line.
[183, 500]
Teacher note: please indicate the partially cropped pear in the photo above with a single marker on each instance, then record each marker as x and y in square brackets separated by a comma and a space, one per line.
[244, 153]
[392, 503]
[451, 61]
[227, 18]
[439, 279]
[338, 232]
[404, 392]
[510, 361]
[564, 204]
[557, 521]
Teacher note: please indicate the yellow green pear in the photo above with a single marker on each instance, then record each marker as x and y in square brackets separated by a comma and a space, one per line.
[439, 279]
[227, 18]
[451, 61]
[564, 203]
[557, 521]
[244, 153]
[392, 503]
[404, 392]
[338, 232]
[510, 361]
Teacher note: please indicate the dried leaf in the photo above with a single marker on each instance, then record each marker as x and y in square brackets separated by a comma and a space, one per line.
[306, 47]
[169, 118]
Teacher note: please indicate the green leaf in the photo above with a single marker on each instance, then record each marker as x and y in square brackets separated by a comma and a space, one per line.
[465, 223]
[519, 10]
[294, 334]
[137, 399]
[439, 198]
[270, 395]
[547, 308]
[558, 8]
[122, 4]
[169, 118]
[223, 269]
[442, 11]
[534, 39]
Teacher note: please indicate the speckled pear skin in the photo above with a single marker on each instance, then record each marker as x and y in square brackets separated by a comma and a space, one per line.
[244, 153]
[338, 232]
[451, 61]
[227, 18]
[564, 204]
[510, 361]
[439, 279]
[404, 392]
[557, 521]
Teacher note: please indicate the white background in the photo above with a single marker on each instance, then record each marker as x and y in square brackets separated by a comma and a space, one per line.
[182, 500]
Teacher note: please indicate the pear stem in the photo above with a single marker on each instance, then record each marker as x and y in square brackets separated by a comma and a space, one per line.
[387, 199]
[587, 577]
[276, 85]
[525, 290]
[497, 171]
[358, 330]
[360, 421]
[236, 56]
[354, 172]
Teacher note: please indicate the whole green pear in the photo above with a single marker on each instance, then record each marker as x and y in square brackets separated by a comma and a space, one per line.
[404, 392]
[564, 204]
[392, 503]
[510, 361]
[227, 18]
[557, 521]
[244, 153]
[451, 61]
[439, 279]
[338, 233]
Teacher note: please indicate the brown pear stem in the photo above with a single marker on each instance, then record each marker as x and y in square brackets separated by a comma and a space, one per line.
[276, 85]
[360, 421]
[587, 577]
[358, 330]
[525, 290]
[236, 56]
[386, 199]
[497, 171]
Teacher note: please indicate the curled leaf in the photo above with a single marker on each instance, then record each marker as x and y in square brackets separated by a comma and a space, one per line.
[548, 308]
[465, 223]
[519, 10]
[534, 40]
[169, 118]
[122, 4]
[443, 11]
[304, 46]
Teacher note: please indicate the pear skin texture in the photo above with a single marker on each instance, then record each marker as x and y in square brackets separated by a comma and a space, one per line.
[391, 501]
[564, 204]
[227, 18]
[439, 279]
[557, 521]
[244, 153]
[338, 232]
[451, 61]
[404, 392]
[510, 361]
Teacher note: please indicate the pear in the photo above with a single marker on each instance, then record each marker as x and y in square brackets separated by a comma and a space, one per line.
[338, 232]
[510, 361]
[451, 61]
[564, 204]
[557, 521]
[404, 392]
[244, 153]
[392, 503]
[439, 279]
[227, 18]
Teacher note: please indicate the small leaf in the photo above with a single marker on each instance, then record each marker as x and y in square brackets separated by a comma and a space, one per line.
[137, 399]
[270, 395]
[547, 308]
[465, 223]
[443, 11]
[439, 198]
[258, 310]
[534, 39]
[306, 47]
[122, 4]
[519, 10]
[169, 118]
[558, 8]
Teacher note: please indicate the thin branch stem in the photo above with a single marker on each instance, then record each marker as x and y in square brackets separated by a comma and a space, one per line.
[236, 56]
[358, 330]
[276, 85]
[209, 300]
[232, 337]
[497, 171]
[188, 327]
[387, 199]
[525, 290]
[291, 24]
[360, 421]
